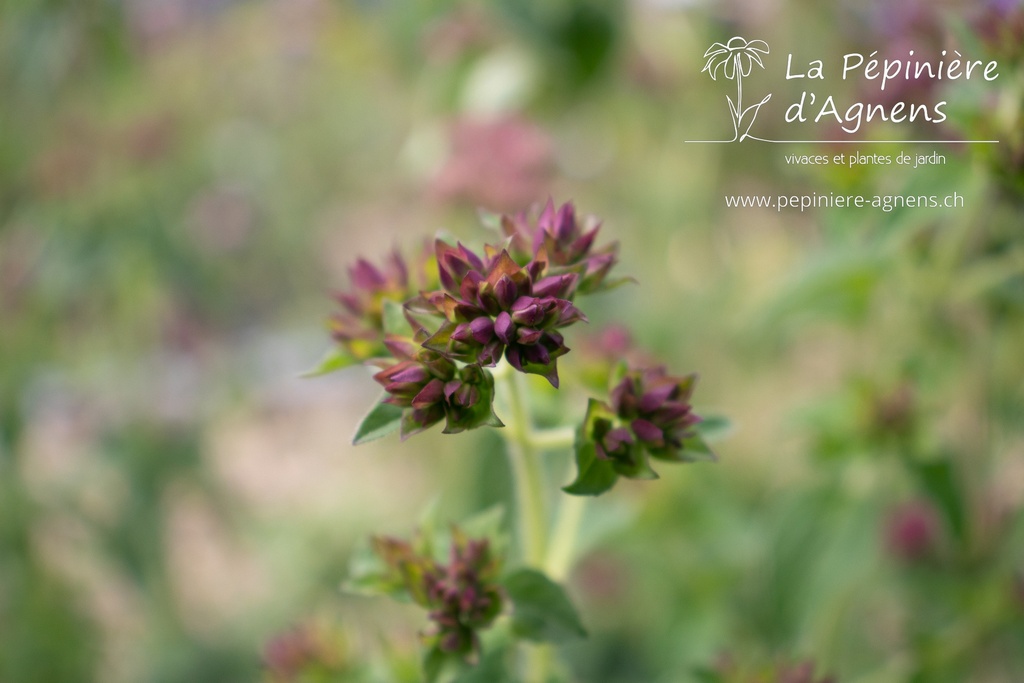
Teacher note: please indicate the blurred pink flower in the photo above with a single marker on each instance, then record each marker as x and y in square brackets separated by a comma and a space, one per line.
[912, 531]
[501, 164]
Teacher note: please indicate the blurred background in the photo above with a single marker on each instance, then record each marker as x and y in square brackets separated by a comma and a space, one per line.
[183, 184]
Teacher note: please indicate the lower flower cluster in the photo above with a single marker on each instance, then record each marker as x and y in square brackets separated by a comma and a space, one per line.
[462, 597]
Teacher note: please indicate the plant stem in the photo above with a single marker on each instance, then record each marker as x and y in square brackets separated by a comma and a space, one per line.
[562, 549]
[553, 439]
[524, 445]
[527, 474]
[531, 505]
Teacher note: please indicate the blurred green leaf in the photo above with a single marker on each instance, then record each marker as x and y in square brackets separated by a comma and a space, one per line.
[833, 285]
[695, 449]
[713, 427]
[487, 524]
[938, 478]
[394, 318]
[541, 609]
[368, 576]
[379, 422]
[434, 661]
[334, 360]
[491, 669]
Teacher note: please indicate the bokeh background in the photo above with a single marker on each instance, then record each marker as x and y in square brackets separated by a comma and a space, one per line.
[183, 184]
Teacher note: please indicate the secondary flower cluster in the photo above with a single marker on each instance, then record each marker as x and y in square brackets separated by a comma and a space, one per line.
[462, 596]
[648, 415]
[510, 302]
[359, 326]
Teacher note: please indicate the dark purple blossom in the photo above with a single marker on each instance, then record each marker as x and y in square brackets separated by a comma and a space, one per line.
[497, 308]
[431, 388]
[653, 411]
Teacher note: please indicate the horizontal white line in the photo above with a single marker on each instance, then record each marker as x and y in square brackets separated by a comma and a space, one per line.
[854, 142]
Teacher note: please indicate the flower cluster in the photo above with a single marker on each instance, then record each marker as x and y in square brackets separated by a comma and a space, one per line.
[434, 347]
[462, 596]
[359, 326]
[502, 309]
[307, 651]
[648, 415]
[429, 388]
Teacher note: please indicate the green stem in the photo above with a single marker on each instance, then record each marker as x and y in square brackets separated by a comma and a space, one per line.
[553, 439]
[524, 445]
[527, 474]
[562, 549]
[531, 506]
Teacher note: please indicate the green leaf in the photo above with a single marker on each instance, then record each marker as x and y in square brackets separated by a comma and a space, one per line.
[368, 575]
[606, 285]
[832, 286]
[490, 220]
[938, 478]
[640, 468]
[593, 475]
[491, 669]
[440, 339]
[541, 610]
[335, 359]
[695, 449]
[486, 524]
[381, 421]
[705, 675]
[434, 661]
[394, 321]
[713, 427]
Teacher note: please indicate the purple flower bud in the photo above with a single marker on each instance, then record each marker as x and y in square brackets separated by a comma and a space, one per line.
[528, 311]
[432, 393]
[504, 328]
[528, 335]
[506, 292]
[483, 329]
[648, 432]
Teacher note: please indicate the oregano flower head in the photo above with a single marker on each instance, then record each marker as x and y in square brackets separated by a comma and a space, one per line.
[433, 388]
[496, 307]
[647, 415]
[462, 597]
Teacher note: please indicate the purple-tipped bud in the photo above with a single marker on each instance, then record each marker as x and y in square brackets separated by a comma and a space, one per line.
[483, 329]
[647, 432]
[528, 335]
[504, 328]
[529, 310]
[506, 292]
